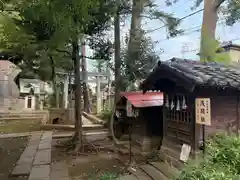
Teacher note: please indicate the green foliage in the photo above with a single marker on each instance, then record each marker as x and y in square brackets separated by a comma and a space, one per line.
[221, 162]
[168, 20]
[211, 51]
[44, 28]
[108, 176]
[104, 176]
[233, 12]
[147, 59]
[105, 115]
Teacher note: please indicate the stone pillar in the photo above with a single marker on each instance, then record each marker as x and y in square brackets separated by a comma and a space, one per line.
[146, 144]
[41, 104]
[65, 91]
[98, 93]
[33, 103]
[26, 102]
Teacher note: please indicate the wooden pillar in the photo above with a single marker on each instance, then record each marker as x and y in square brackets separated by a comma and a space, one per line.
[195, 132]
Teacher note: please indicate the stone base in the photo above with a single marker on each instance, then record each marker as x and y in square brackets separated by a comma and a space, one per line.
[150, 143]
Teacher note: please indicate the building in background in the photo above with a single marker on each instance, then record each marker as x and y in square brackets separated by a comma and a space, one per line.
[233, 51]
[33, 92]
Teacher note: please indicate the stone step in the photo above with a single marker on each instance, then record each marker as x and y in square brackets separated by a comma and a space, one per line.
[168, 171]
[21, 115]
[153, 172]
[20, 118]
[140, 174]
[70, 127]
[85, 133]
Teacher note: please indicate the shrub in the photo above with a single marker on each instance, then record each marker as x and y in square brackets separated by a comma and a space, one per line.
[105, 115]
[222, 161]
[108, 176]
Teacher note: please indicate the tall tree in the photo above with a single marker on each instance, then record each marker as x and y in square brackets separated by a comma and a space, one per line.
[143, 65]
[68, 22]
[209, 23]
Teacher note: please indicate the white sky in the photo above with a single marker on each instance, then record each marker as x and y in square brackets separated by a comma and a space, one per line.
[189, 42]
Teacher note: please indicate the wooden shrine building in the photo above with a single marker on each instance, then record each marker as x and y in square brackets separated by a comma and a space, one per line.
[143, 112]
[185, 81]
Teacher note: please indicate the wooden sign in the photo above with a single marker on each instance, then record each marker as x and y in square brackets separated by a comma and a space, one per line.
[185, 152]
[203, 111]
[129, 109]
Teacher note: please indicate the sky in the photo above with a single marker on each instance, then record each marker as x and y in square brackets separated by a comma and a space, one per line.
[186, 45]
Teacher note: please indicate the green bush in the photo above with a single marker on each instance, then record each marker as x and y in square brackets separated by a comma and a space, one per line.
[108, 176]
[222, 161]
[105, 115]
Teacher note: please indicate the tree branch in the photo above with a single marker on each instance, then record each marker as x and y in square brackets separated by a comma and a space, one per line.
[64, 51]
[218, 3]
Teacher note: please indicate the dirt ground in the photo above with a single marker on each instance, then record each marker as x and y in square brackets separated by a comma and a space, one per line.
[91, 165]
[10, 151]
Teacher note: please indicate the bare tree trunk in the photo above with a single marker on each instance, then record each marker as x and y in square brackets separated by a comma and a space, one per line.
[209, 23]
[53, 77]
[117, 56]
[85, 88]
[135, 32]
[78, 94]
[117, 69]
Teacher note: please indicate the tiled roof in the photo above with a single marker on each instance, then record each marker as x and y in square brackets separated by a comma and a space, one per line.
[199, 73]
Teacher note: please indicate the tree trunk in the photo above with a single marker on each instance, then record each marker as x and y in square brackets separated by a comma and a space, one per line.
[84, 72]
[78, 93]
[117, 70]
[209, 23]
[53, 77]
[117, 56]
[135, 32]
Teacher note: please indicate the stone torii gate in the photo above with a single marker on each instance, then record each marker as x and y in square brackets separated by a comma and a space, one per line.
[92, 77]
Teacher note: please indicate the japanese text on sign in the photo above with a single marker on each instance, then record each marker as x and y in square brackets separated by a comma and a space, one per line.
[203, 111]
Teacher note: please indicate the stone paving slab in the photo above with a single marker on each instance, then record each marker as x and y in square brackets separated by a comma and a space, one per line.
[22, 169]
[24, 164]
[45, 145]
[41, 172]
[26, 160]
[42, 157]
[47, 136]
[59, 171]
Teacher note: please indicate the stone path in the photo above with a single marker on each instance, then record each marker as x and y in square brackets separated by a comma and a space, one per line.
[59, 171]
[24, 164]
[35, 161]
